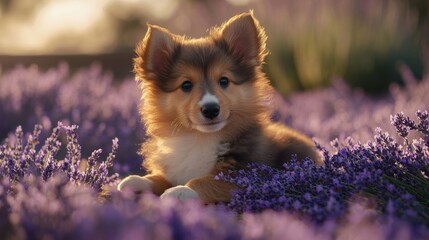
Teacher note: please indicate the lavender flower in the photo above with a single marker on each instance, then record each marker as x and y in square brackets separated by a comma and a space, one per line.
[73, 152]
[29, 150]
[111, 157]
[51, 147]
[17, 161]
[62, 210]
[90, 168]
[59, 209]
[339, 111]
[323, 193]
[103, 107]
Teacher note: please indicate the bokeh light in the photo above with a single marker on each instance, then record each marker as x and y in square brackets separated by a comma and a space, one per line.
[311, 42]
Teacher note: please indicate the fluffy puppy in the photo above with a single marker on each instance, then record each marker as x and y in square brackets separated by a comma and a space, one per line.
[204, 106]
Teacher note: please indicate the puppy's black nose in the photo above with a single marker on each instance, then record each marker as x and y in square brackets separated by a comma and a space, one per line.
[210, 110]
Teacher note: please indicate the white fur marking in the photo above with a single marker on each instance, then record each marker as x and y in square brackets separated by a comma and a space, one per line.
[208, 128]
[180, 192]
[208, 98]
[135, 183]
[188, 157]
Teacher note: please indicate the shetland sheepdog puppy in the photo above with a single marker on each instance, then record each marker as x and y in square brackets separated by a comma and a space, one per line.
[204, 106]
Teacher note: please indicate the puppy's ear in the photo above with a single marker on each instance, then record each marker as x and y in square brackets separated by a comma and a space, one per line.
[245, 38]
[154, 54]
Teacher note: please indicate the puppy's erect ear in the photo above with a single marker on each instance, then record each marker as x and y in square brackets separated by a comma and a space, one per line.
[154, 54]
[245, 37]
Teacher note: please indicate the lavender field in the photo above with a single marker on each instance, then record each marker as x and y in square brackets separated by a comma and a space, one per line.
[69, 137]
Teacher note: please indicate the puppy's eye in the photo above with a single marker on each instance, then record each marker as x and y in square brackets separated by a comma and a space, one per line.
[224, 82]
[187, 86]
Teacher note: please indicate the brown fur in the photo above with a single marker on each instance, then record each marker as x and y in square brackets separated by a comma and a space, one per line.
[235, 50]
[160, 184]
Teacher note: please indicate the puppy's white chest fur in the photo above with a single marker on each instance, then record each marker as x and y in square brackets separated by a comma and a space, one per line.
[188, 157]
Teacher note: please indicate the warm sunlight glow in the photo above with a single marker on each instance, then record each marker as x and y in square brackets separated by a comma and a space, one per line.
[239, 2]
[61, 26]
[77, 16]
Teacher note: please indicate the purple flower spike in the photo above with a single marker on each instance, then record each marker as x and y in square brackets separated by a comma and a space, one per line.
[395, 175]
[17, 161]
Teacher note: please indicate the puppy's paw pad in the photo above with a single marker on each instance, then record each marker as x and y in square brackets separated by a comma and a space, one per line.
[135, 183]
[182, 193]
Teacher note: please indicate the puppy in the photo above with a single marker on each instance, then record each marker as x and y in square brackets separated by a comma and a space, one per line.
[204, 106]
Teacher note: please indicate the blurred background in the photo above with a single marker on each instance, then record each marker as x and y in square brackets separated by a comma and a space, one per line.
[311, 42]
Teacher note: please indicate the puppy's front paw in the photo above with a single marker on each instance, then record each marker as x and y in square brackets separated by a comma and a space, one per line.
[135, 183]
[180, 192]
